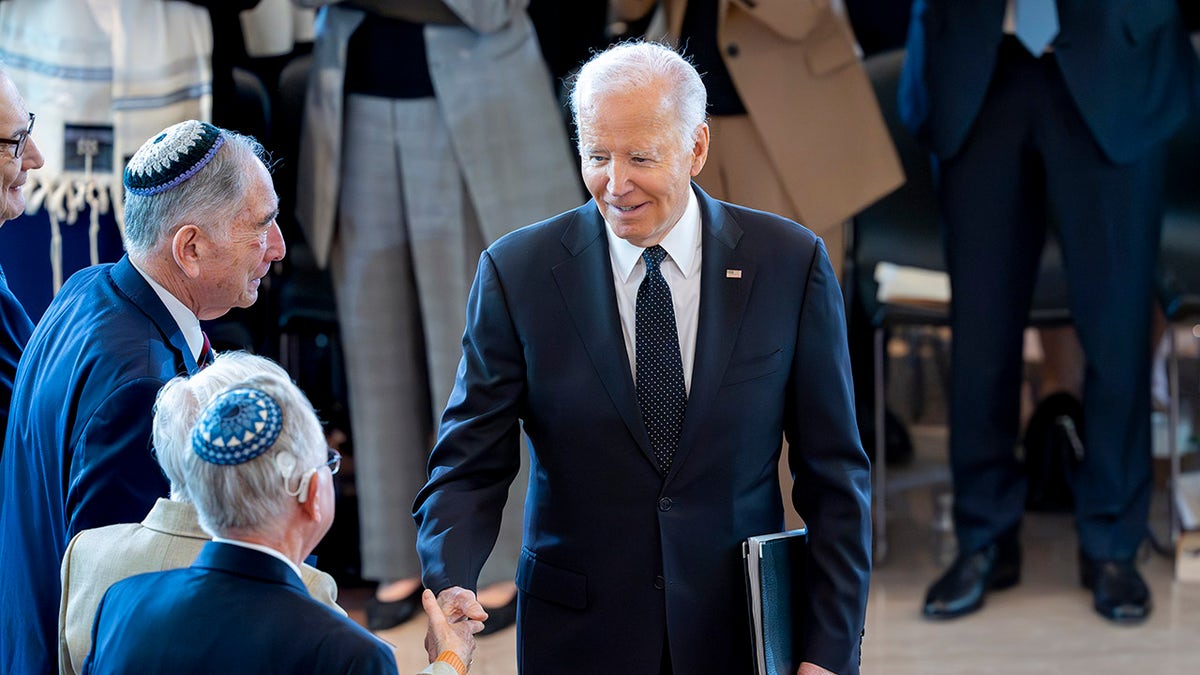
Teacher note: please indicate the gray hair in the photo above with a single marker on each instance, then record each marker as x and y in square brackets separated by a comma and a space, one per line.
[180, 401]
[639, 64]
[213, 195]
[255, 495]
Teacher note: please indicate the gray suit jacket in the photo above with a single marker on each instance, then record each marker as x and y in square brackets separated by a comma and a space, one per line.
[169, 538]
[496, 99]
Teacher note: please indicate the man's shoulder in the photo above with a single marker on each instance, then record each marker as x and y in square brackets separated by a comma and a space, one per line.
[100, 333]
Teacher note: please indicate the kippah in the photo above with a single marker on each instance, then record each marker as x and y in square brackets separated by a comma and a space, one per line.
[237, 426]
[172, 157]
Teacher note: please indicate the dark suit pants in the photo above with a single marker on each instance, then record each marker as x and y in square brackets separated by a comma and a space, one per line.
[1030, 160]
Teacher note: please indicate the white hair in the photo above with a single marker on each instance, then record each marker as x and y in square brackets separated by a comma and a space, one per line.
[213, 196]
[256, 495]
[179, 402]
[639, 64]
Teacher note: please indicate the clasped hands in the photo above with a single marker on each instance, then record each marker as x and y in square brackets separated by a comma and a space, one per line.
[454, 619]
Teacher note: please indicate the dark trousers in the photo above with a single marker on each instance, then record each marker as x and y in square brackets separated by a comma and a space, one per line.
[1030, 160]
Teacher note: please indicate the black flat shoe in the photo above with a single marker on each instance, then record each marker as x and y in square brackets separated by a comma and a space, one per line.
[961, 589]
[500, 618]
[385, 614]
[1118, 591]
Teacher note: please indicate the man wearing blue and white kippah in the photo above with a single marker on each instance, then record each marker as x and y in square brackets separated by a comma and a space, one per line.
[200, 234]
[261, 477]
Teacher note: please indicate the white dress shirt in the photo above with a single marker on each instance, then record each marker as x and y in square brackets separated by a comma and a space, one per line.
[681, 269]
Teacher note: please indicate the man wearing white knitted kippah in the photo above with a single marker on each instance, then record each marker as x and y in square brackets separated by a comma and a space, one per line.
[200, 234]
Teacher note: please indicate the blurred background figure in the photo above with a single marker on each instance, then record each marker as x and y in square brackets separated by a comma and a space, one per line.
[170, 536]
[423, 125]
[1041, 112]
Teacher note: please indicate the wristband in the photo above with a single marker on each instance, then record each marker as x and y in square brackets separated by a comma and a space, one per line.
[451, 658]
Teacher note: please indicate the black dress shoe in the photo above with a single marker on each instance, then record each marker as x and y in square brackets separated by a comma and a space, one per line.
[1119, 593]
[961, 589]
[500, 618]
[385, 614]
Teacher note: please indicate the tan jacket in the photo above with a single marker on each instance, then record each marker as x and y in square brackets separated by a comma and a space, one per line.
[169, 538]
[796, 68]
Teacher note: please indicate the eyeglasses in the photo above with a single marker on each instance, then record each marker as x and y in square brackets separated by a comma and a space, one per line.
[19, 143]
[334, 462]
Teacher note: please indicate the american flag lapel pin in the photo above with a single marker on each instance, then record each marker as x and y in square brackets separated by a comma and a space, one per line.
[733, 274]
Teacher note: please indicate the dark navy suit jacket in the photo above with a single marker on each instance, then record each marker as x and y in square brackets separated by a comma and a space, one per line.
[1123, 62]
[617, 558]
[78, 452]
[15, 329]
[235, 610]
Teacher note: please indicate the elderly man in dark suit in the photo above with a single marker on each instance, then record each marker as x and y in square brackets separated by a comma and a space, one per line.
[170, 536]
[261, 477]
[1040, 111]
[657, 345]
[200, 234]
[18, 155]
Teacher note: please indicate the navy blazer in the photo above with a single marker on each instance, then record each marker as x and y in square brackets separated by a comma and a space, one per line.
[618, 558]
[235, 610]
[78, 451]
[1128, 64]
[15, 329]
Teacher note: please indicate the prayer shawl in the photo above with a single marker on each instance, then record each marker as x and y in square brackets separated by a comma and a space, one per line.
[102, 76]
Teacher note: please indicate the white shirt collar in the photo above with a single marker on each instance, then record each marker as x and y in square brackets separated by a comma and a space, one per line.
[681, 243]
[262, 549]
[184, 318]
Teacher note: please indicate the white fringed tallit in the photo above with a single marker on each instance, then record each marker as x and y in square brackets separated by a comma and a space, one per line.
[98, 73]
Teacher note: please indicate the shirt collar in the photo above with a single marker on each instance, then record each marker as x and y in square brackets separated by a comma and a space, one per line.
[184, 318]
[681, 243]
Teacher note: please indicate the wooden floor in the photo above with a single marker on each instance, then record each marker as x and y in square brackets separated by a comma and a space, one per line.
[1044, 625]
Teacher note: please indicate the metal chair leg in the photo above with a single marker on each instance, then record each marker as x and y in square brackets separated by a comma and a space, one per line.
[879, 466]
[1173, 433]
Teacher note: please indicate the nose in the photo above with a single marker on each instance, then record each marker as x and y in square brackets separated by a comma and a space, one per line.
[618, 178]
[31, 158]
[276, 247]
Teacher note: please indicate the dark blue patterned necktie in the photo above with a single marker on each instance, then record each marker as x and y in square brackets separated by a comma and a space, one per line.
[660, 391]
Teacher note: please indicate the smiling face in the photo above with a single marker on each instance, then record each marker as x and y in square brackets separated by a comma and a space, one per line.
[14, 120]
[634, 162]
[244, 250]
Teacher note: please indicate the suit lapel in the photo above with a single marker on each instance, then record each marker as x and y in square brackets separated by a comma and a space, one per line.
[585, 281]
[726, 278]
[130, 282]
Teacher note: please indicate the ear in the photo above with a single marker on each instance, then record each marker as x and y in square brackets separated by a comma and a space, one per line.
[188, 246]
[700, 149]
[310, 500]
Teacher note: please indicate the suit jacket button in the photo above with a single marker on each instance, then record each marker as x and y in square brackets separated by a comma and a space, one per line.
[732, 49]
[659, 582]
[665, 504]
